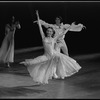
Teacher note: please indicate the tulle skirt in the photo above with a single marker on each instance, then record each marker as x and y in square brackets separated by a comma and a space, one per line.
[41, 69]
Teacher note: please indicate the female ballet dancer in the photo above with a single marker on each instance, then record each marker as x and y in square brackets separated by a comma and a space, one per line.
[7, 47]
[52, 63]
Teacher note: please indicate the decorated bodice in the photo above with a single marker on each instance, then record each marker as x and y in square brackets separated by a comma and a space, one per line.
[48, 46]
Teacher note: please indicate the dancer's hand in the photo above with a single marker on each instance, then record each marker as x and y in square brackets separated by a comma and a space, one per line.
[73, 23]
[37, 12]
[35, 21]
[37, 17]
[84, 27]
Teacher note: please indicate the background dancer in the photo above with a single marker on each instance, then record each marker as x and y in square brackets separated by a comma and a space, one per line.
[7, 47]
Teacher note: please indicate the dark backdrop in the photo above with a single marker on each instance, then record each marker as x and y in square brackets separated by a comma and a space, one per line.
[87, 13]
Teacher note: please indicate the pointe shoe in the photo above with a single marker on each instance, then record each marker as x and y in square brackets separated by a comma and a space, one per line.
[55, 76]
[45, 83]
[22, 62]
[8, 65]
[62, 77]
[25, 63]
[38, 83]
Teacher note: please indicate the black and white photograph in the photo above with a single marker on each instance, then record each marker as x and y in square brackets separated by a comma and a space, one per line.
[49, 50]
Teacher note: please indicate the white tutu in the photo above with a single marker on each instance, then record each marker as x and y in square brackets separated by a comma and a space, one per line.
[42, 69]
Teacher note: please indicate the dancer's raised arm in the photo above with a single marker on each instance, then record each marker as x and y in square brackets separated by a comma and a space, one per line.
[41, 30]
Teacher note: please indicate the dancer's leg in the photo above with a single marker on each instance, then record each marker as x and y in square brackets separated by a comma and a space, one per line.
[64, 48]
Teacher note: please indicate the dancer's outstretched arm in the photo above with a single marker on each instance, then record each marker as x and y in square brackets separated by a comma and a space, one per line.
[45, 24]
[76, 28]
[40, 27]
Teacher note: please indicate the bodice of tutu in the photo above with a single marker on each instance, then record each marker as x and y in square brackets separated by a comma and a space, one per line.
[56, 47]
[48, 46]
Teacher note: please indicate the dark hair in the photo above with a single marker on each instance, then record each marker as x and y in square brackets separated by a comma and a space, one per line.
[50, 28]
[59, 18]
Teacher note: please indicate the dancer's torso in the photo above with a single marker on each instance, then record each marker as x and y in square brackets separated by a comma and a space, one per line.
[59, 30]
[60, 40]
[49, 46]
[10, 35]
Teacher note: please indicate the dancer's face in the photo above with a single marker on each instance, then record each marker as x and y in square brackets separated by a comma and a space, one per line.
[49, 32]
[58, 21]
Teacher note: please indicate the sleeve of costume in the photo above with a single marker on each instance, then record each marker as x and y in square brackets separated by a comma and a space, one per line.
[66, 26]
[76, 28]
[45, 24]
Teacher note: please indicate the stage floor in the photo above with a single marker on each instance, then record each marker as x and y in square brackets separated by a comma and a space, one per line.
[15, 82]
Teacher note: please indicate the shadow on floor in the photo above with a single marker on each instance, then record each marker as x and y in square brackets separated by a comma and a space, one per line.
[19, 91]
[15, 68]
[88, 81]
